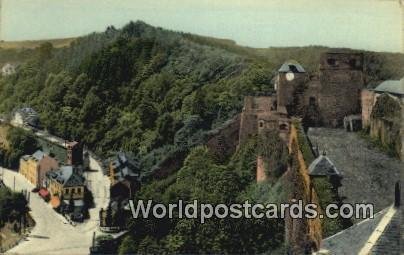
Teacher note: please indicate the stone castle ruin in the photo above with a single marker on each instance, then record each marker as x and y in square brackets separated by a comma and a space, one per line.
[324, 98]
[320, 99]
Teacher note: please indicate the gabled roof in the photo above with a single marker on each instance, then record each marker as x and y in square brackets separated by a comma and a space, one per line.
[291, 66]
[74, 181]
[377, 235]
[38, 155]
[29, 115]
[391, 86]
[322, 166]
[125, 167]
[352, 239]
[66, 176]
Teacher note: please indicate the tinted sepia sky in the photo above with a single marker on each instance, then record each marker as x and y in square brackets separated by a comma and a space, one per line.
[362, 24]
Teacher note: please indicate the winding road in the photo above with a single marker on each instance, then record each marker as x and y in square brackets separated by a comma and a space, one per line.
[52, 234]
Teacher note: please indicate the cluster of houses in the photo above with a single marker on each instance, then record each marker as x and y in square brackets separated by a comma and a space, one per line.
[63, 185]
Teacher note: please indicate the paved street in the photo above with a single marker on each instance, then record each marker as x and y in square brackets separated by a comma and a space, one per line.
[369, 175]
[52, 234]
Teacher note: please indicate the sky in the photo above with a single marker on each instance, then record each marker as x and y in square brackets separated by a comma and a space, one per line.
[362, 24]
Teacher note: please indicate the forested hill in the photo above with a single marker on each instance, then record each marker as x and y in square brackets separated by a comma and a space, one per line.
[157, 93]
[132, 88]
[136, 87]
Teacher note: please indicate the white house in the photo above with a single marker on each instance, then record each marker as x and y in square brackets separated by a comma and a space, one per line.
[25, 117]
[8, 69]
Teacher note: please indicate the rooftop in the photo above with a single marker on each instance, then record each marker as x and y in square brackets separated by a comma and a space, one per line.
[38, 155]
[391, 86]
[322, 166]
[291, 66]
[124, 167]
[29, 115]
[66, 176]
[352, 239]
[379, 235]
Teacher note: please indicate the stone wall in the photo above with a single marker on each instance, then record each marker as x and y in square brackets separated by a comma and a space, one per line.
[386, 122]
[301, 234]
[367, 103]
[260, 174]
[253, 108]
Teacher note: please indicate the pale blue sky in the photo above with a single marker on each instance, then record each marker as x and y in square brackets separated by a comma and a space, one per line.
[361, 24]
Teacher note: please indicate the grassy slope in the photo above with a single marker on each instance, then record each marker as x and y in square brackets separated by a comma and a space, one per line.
[31, 44]
[19, 51]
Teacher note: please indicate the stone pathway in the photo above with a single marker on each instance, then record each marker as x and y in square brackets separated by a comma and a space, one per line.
[369, 175]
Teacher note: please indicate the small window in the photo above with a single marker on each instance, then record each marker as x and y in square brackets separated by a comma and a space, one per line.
[353, 63]
[293, 69]
[312, 101]
[283, 127]
[261, 124]
[67, 191]
[79, 190]
[331, 62]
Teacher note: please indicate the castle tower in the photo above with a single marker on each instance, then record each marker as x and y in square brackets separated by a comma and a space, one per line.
[341, 79]
[290, 76]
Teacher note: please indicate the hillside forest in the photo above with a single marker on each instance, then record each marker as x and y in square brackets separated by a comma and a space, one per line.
[157, 93]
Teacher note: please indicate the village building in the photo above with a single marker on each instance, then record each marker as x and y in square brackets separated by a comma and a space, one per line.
[66, 183]
[124, 176]
[8, 69]
[35, 167]
[25, 117]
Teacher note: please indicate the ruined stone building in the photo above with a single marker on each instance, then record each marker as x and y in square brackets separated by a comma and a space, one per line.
[383, 113]
[261, 115]
[321, 99]
[326, 97]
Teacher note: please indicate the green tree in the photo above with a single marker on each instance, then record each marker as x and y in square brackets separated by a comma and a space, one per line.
[21, 142]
